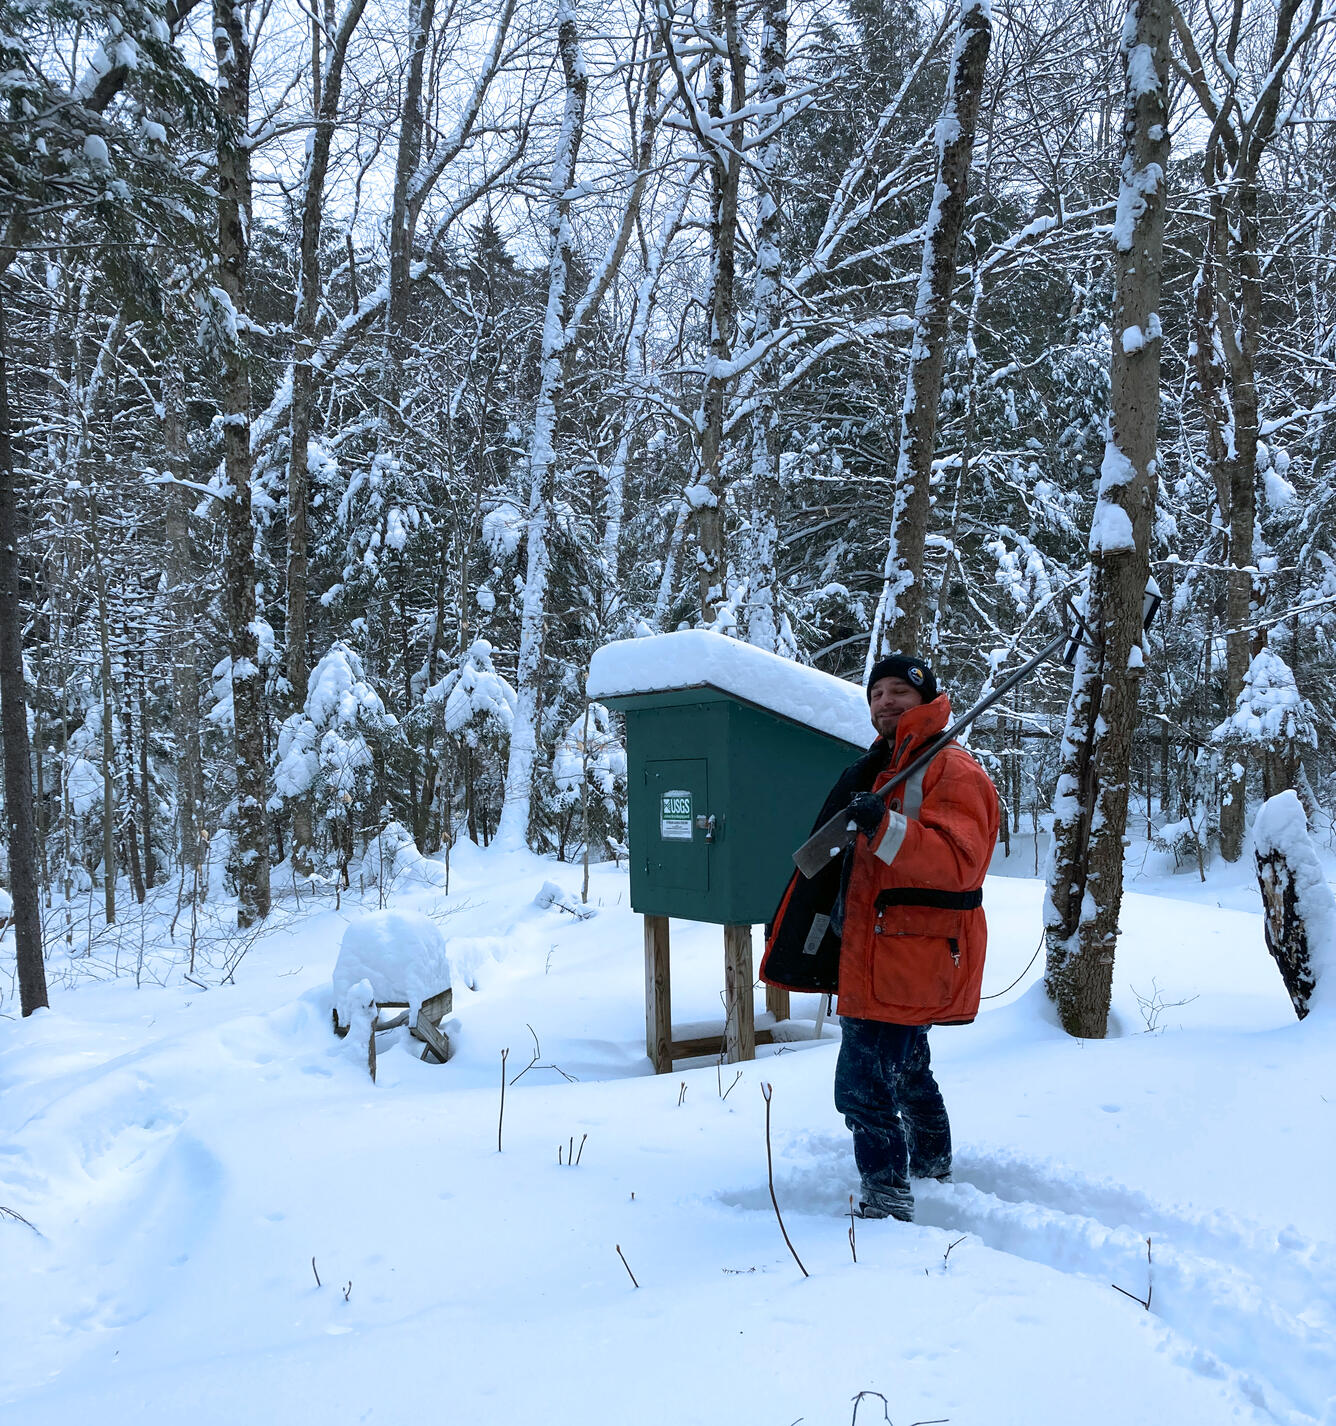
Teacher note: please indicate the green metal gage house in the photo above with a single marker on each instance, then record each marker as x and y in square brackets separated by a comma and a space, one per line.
[730, 753]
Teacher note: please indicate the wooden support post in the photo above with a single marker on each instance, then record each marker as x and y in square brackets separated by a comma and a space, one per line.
[658, 996]
[740, 1028]
[777, 1002]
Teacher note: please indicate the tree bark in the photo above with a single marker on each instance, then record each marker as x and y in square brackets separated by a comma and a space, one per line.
[326, 88]
[109, 808]
[145, 785]
[513, 829]
[726, 96]
[14, 722]
[902, 606]
[181, 614]
[232, 48]
[133, 800]
[1085, 875]
[565, 324]
[1231, 280]
[763, 621]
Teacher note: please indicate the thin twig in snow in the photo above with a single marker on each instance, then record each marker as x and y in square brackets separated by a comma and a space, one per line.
[770, 1174]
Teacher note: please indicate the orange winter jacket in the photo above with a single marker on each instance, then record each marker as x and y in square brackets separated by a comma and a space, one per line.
[914, 939]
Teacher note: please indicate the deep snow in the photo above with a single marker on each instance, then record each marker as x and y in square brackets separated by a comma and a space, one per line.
[183, 1154]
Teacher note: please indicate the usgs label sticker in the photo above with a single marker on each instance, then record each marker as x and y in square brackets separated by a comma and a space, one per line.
[675, 816]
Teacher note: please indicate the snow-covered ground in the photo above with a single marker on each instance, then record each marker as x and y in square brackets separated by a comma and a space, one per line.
[187, 1160]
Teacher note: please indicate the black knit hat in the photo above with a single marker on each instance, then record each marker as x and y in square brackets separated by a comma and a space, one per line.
[913, 671]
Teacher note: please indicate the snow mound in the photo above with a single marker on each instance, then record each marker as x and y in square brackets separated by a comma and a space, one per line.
[698, 658]
[402, 954]
[550, 894]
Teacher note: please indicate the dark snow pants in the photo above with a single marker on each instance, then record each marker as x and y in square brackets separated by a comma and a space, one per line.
[885, 1089]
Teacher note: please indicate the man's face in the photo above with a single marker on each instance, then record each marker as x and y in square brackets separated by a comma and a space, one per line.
[888, 699]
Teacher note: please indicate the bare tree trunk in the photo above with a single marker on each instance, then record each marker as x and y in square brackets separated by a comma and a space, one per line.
[1240, 475]
[1231, 279]
[902, 606]
[726, 96]
[232, 48]
[327, 85]
[145, 788]
[403, 211]
[109, 808]
[564, 327]
[1085, 876]
[763, 620]
[132, 790]
[513, 829]
[181, 607]
[615, 497]
[14, 722]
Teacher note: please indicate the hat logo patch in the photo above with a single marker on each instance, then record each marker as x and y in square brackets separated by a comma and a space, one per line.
[915, 674]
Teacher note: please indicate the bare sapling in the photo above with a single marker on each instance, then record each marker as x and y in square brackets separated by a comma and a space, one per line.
[1150, 1285]
[766, 1091]
[537, 1055]
[625, 1264]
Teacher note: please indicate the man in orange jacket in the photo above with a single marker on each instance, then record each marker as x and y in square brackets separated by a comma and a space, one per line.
[907, 916]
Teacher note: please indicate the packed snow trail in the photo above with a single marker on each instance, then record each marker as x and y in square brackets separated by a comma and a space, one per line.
[1239, 1292]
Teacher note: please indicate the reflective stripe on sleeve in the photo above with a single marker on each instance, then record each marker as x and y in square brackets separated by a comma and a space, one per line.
[912, 797]
[893, 838]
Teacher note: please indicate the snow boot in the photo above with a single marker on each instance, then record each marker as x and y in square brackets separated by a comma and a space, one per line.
[896, 1203]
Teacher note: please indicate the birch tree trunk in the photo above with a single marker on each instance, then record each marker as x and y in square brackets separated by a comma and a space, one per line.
[19, 818]
[615, 494]
[1085, 873]
[513, 829]
[232, 48]
[565, 324]
[901, 608]
[763, 622]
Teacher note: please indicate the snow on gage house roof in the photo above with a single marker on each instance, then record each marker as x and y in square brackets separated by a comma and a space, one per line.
[697, 658]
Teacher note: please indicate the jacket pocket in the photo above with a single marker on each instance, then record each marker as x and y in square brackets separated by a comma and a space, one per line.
[917, 957]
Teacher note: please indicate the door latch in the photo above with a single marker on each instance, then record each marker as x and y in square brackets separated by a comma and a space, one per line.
[707, 824]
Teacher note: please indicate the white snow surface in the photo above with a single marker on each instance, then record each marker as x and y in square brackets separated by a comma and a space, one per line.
[696, 658]
[402, 954]
[183, 1162]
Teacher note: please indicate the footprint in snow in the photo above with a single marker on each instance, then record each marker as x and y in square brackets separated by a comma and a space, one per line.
[1249, 1299]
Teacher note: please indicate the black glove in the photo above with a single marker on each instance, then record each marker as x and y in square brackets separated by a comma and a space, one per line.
[866, 811]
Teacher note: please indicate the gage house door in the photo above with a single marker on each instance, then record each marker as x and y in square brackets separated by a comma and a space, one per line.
[675, 849]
